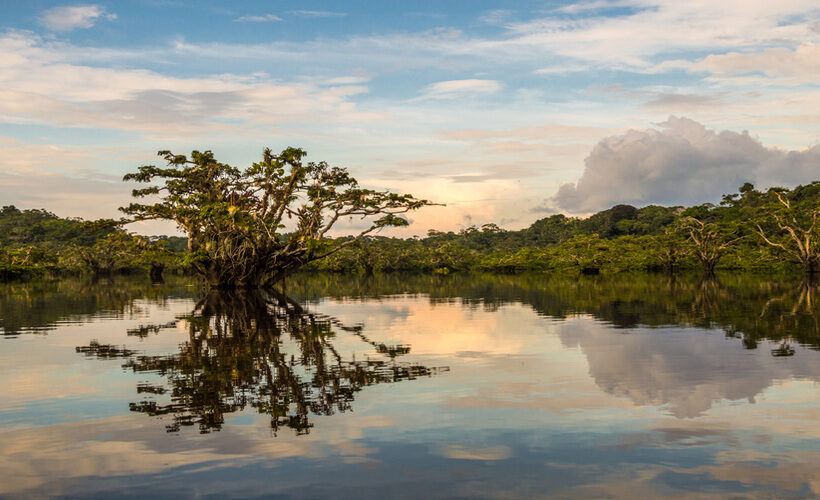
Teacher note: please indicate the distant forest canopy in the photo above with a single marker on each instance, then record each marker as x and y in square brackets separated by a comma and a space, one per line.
[749, 230]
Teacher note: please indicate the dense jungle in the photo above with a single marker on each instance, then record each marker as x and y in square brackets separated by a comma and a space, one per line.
[751, 230]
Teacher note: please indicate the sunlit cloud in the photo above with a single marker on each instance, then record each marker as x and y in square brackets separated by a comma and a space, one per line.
[792, 66]
[684, 163]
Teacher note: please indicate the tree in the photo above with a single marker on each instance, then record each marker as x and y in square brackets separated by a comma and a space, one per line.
[709, 240]
[107, 255]
[554, 229]
[789, 224]
[606, 223]
[154, 254]
[668, 249]
[236, 220]
[588, 253]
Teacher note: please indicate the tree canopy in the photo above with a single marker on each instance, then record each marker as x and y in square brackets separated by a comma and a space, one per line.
[250, 227]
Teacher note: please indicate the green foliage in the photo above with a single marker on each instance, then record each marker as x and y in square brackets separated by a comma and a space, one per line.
[619, 239]
[246, 227]
[38, 227]
[772, 231]
[35, 243]
[787, 222]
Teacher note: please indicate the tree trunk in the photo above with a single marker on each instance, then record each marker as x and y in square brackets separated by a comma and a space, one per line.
[709, 266]
[221, 276]
[811, 265]
[156, 272]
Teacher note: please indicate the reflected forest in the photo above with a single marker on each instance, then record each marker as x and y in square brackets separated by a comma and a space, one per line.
[271, 352]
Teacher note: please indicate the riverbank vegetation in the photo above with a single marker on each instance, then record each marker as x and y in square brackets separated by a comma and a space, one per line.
[751, 230]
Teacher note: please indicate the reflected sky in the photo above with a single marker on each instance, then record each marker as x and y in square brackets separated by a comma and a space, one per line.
[641, 389]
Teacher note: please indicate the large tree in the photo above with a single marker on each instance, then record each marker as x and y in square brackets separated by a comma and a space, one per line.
[788, 222]
[247, 228]
[709, 238]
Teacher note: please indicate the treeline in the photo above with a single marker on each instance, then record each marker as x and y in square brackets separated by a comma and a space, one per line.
[36, 242]
[749, 230]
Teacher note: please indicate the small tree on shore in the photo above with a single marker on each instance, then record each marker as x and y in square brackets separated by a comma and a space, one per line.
[237, 220]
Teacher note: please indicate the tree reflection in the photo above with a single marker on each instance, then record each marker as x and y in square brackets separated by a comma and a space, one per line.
[258, 350]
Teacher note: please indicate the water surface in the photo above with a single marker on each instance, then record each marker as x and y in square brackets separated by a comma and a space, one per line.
[412, 386]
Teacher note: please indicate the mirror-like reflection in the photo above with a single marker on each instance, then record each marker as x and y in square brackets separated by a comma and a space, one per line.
[260, 350]
[39, 307]
[564, 387]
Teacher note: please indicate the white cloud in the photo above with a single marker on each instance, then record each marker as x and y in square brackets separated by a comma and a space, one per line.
[683, 163]
[36, 86]
[458, 88]
[654, 27]
[258, 19]
[330, 112]
[69, 18]
[578, 7]
[317, 13]
[648, 36]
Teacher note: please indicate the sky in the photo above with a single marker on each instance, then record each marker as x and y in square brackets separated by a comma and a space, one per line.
[505, 112]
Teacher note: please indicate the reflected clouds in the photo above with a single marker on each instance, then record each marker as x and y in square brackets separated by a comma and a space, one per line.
[688, 370]
[561, 387]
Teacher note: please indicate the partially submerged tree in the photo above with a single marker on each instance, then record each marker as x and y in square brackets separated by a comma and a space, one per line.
[115, 251]
[669, 251]
[709, 239]
[237, 220]
[789, 224]
[155, 255]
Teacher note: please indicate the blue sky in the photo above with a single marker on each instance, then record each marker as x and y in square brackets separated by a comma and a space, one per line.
[505, 112]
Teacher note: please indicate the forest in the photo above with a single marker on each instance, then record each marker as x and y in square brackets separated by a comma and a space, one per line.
[751, 230]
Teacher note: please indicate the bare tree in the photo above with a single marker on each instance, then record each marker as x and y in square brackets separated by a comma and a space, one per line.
[793, 230]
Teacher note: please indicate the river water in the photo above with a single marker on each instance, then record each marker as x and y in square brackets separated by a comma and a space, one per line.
[397, 386]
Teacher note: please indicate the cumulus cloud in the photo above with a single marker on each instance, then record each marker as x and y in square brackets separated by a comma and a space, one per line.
[683, 163]
[264, 18]
[457, 88]
[67, 18]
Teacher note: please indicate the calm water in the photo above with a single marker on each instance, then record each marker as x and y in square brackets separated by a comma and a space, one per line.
[403, 386]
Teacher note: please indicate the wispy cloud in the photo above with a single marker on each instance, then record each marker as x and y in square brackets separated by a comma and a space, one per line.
[264, 18]
[459, 88]
[68, 18]
[496, 16]
[579, 7]
[801, 65]
[38, 86]
[651, 28]
[317, 13]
